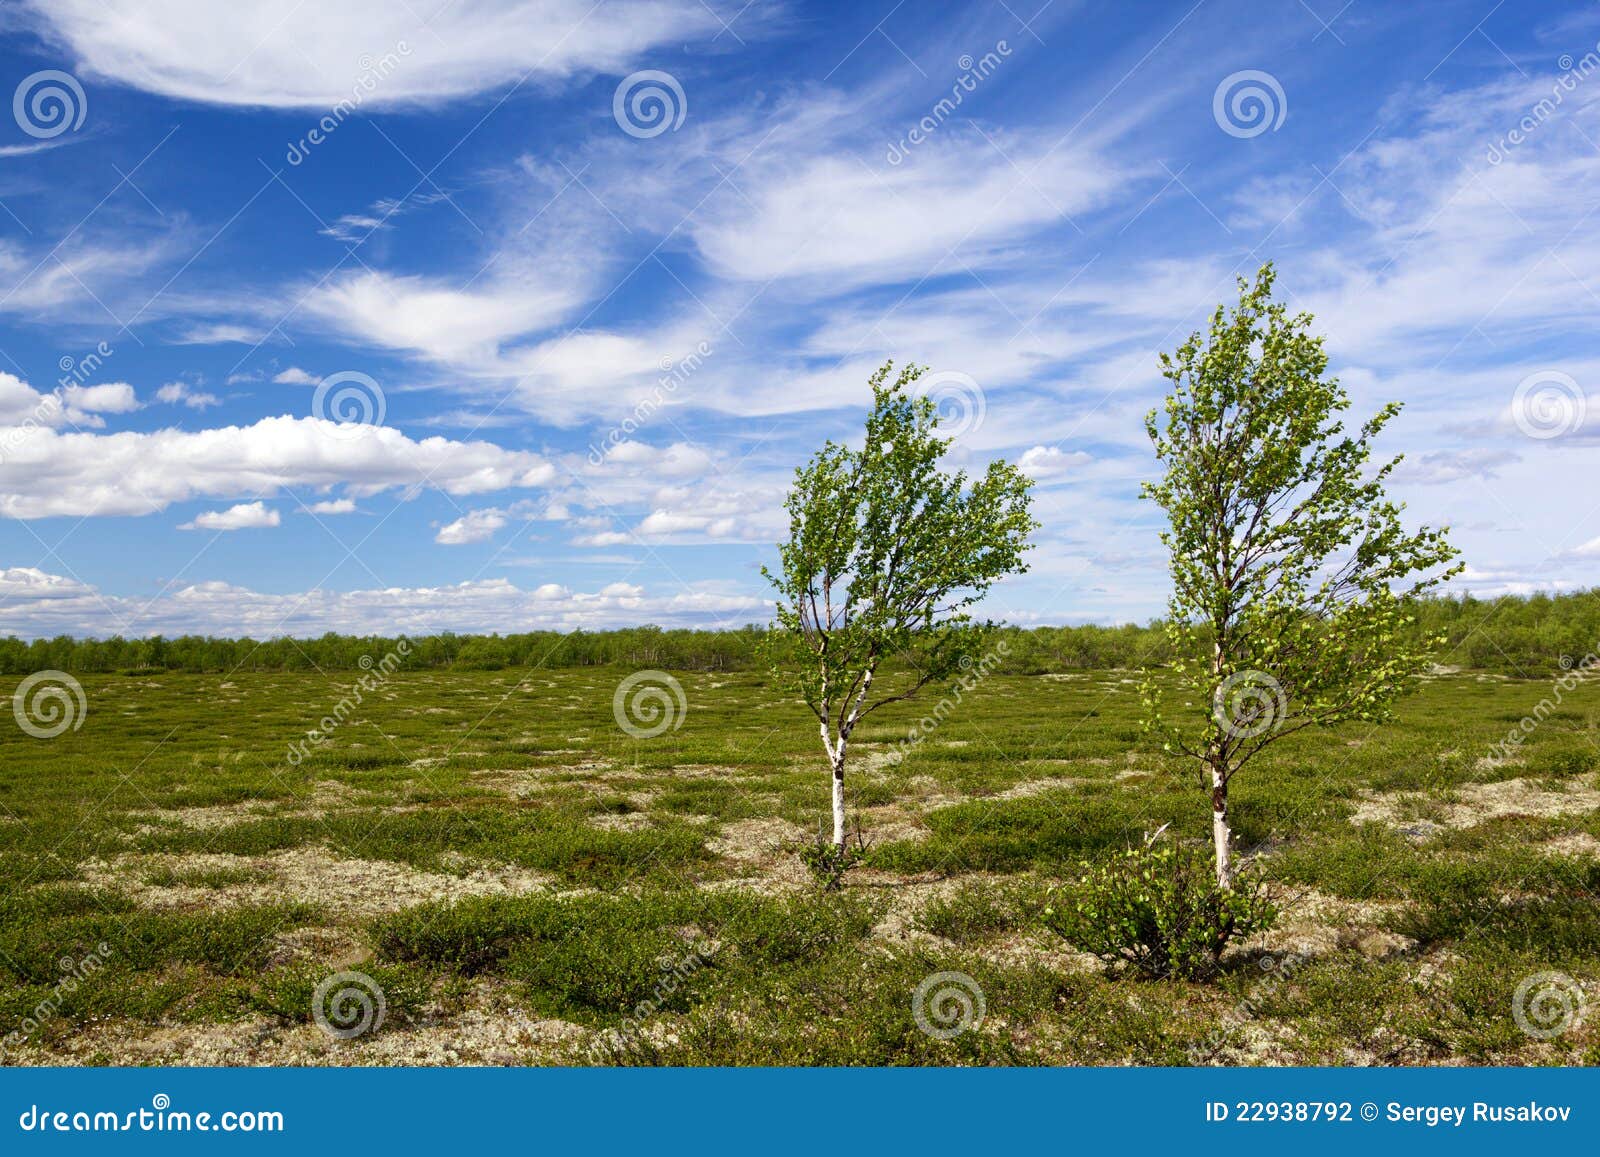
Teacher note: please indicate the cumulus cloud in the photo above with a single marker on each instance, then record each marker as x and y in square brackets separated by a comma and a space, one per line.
[25, 409]
[21, 404]
[474, 526]
[36, 603]
[294, 376]
[244, 516]
[181, 393]
[333, 506]
[1044, 463]
[48, 472]
[110, 398]
[370, 53]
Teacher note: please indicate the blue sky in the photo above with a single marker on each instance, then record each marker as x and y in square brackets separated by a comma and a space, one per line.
[586, 281]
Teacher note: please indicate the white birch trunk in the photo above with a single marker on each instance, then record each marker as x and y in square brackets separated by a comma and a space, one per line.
[838, 799]
[1220, 834]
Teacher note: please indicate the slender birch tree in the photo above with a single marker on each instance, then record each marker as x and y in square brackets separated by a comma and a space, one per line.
[1294, 582]
[886, 553]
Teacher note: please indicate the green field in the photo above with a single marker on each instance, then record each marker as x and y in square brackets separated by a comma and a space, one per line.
[518, 875]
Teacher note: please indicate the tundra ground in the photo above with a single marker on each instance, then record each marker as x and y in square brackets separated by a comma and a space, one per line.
[527, 883]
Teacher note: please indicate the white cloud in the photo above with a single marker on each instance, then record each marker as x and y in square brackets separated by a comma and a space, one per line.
[21, 404]
[128, 473]
[37, 604]
[110, 398]
[679, 460]
[295, 376]
[244, 516]
[280, 54]
[1441, 466]
[28, 584]
[474, 526]
[352, 227]
[333, 506]
[1048, 462]
[219, 333]
[952, 202]
[174, 393]
[435, 317]
[91, 273]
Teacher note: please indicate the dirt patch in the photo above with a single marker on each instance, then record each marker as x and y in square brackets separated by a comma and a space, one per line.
[214, 817]
[1314, 924]
[625, 822]
[755, 841]
[333, 948]
[1576, 844]
[1477, 803]
[324, 796]
[348, 888]
[765, 846]
[492, 1032]
[1035, 787]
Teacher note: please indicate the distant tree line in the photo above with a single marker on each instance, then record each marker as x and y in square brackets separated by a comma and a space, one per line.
[1510, 635]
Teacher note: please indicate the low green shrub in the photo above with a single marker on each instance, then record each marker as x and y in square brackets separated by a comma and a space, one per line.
[1159, 909]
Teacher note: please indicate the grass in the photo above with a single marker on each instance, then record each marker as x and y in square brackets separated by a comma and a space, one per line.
[494, 850]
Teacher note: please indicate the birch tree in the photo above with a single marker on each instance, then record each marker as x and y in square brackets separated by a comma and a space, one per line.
[887, 551]
[1294, 582]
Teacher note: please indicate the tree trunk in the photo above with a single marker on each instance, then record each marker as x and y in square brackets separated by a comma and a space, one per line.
[838, 800]
[1220, 835]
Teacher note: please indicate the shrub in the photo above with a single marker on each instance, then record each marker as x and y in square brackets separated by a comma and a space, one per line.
[828, 862]
[1160, 909]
